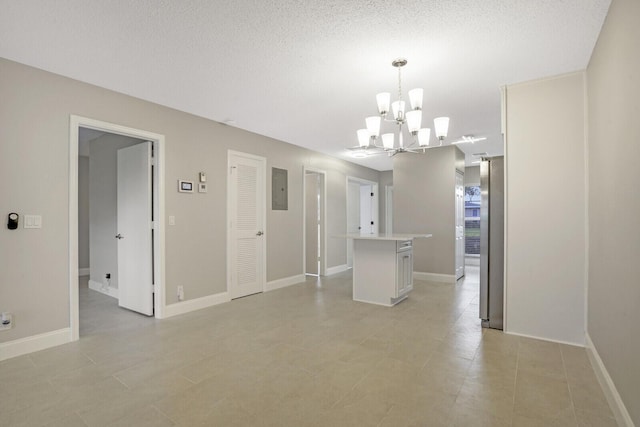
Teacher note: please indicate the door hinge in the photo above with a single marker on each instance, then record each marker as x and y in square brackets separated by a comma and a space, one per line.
[153, 225]
[153, 288]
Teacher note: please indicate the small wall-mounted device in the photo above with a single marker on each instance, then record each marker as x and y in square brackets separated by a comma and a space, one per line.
[185, 186]
[202, 187]
[12, 221]
[203, 177]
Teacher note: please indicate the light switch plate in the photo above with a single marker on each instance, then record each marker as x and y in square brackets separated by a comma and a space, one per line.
[32, 221]
[172, 220]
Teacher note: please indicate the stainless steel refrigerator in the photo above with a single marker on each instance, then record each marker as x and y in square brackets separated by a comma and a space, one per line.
[492, 242]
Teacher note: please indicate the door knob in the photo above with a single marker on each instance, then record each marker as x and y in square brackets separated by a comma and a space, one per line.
[119, 236]
[259, 233]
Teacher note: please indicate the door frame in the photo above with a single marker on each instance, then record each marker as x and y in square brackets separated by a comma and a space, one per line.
[263, 160]
[323, 220]
[158, 140]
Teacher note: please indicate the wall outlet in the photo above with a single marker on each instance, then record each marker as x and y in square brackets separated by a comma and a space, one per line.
[180, 293]
[6, 321]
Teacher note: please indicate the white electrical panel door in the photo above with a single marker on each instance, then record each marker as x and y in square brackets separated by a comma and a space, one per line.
[246, 228]
[134, 229]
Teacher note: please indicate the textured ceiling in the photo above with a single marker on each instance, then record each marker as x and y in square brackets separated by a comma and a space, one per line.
[304, 71]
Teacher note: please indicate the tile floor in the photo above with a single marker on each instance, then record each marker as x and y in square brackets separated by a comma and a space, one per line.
[306, 355]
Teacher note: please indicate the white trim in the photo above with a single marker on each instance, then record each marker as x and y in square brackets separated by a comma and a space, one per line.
[97, 286]
[284, 282]
[575, 344]
[84, 271]
[623, 418]
[188, 306]
[434, 277]
[33, 343]
[75, 122]
[323, 220]
[337, 269]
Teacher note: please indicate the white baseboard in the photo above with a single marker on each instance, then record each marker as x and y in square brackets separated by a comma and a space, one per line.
[533, 337]
[97, 286]
[84, 271]
[613, 397]
[188, 306]
[337, 269]
[284, 282]
[33, 343]
[434, 277]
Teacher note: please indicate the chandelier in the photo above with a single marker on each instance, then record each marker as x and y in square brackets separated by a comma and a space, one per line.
[369, 138]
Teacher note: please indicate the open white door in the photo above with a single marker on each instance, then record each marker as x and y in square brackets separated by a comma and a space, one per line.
[135, 244]
[246, 224]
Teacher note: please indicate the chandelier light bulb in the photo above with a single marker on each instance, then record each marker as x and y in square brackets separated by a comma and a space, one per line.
[424, 135]
[373, 125]
[414, 120]
[415, 98]
[383, 99]
[364, 137]
[441, 125]
[387, 141]
[398, 110]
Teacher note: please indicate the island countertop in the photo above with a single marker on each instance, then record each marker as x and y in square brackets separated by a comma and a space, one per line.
[383, 236]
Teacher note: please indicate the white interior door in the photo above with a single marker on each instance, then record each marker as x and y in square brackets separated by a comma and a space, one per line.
[312, 221]
[366, 211]
[135, 244]
[246, 225]
[459, 225]
[353, 216]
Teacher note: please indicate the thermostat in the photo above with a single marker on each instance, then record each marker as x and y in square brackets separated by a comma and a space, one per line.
[185, 186]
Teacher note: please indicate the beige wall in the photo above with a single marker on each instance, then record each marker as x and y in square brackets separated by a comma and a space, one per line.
[613, 79]
[34, 130]
[545, 207]
[424, 202]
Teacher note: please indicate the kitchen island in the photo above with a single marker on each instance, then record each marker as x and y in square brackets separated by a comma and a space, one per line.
[382, 267]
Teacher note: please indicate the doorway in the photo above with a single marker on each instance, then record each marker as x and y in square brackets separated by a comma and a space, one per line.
[155, 263]
[314, 222]
[362, 210]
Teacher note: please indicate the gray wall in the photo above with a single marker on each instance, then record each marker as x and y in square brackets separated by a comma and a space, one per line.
[545, 208]
[613, 78]
[35, 136]
[471, 176]
[103, 204]
[83, 212]
[424, 202]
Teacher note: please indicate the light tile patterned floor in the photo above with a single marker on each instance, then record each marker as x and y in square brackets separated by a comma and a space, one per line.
[306, 355]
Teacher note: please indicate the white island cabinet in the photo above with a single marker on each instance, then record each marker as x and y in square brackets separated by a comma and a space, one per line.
[382, 267]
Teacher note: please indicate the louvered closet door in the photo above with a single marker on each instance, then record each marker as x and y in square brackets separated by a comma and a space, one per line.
[247, 239]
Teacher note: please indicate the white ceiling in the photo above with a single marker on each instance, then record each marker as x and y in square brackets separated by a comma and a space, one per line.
[307, 71]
